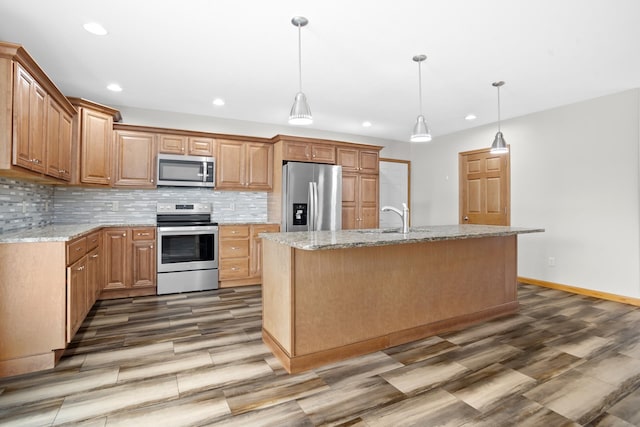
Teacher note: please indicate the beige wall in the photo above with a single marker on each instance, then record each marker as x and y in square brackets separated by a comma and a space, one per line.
[574, 171]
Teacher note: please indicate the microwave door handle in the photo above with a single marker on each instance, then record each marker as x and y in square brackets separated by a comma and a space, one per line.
[204, 171]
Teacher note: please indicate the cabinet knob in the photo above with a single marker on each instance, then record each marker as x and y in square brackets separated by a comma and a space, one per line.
[234, 248]
[78, 249]
[234, 269]
[143, 234]
[94, 256]
[124, 234]
[150, 246]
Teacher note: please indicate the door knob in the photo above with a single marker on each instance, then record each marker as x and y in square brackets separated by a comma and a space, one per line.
[466, 218]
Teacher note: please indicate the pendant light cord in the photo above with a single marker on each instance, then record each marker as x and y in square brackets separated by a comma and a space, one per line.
[498, 108]
[299, 60]
[420, 85]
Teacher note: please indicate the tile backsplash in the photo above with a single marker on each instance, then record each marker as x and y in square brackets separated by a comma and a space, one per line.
[26, 205]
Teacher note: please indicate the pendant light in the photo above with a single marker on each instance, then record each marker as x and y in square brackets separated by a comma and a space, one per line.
[300, 111]
[420, 129]
[499, 144]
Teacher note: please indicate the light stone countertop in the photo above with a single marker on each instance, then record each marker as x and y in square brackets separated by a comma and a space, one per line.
[57, 232]
[318, 240]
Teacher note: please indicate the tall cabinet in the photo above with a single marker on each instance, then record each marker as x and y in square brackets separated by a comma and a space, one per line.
[360, 187]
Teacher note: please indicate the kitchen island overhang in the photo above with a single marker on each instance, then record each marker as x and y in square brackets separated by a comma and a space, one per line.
[328, 296]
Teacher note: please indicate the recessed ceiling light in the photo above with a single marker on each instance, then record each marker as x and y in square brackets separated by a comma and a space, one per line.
[470, 117]
[366, 124]
[95, 28]
[114, 87]
[218, 101]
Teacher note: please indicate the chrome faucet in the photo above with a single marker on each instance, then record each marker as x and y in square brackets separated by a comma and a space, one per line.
[404, 215]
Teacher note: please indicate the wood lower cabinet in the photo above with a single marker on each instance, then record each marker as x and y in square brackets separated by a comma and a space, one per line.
[84, 279]
[130, 262]
[241, 253]
[244, 165]
[135, 159]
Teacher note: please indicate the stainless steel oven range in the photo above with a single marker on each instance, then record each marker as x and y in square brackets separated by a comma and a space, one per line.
[187, 248]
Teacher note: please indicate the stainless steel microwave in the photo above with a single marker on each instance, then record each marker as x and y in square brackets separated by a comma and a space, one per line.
[186, 171]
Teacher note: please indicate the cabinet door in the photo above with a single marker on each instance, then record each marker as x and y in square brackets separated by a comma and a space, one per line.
[29, 117]
[95, 147]
[115, 258]
[135, 159]
[348, 159]
[143, 260]
[172, 144]
[300, 151]
[230, 165]
[58, 143]
[255, 266]
[76, 296]
[323, 153]
[94, 276]
[349, 199]
[369, 161]
[368, 201]
[259, 166]
[201, 146]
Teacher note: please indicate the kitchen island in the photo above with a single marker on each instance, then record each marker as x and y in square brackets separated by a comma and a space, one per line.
[328, 296]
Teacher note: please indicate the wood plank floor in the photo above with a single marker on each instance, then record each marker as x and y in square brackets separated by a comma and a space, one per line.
[198, 359]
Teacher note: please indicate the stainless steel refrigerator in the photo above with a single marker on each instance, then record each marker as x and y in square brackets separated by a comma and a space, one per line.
[311, 197]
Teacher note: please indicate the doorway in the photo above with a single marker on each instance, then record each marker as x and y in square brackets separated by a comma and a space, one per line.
[485, 193]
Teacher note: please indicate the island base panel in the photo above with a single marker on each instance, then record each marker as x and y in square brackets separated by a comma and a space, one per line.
[328, 305]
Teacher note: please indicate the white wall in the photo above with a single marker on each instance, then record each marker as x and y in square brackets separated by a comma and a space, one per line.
[165, 119]
[574, 172]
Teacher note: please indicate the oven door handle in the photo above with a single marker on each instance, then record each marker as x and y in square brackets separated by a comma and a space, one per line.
[176, 231]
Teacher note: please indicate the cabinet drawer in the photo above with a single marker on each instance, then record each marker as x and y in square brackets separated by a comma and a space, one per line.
[76, 250]
[234, 268]
[147, 233]
[234, 231]
[234, 248]
[93, 240]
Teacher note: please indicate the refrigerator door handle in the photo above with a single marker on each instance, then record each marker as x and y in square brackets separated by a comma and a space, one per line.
[313, 206]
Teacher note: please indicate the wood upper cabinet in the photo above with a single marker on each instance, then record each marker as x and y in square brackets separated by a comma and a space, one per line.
[59, 142]
[130, 261]
[135, 159]
[29, 121]
[34, 119]
[244, 165]
[358, 160]
[183, 144]
[309, 152]
[93, 133]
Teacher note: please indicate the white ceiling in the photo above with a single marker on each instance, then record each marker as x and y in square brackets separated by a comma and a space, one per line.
[178, 55]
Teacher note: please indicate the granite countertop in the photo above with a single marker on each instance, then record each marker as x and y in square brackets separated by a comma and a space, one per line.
[317, 240]
[57, 232]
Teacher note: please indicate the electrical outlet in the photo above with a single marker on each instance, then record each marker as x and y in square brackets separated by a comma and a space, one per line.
[232, 206]
[115, 206]
[24, 207]
[551, 262]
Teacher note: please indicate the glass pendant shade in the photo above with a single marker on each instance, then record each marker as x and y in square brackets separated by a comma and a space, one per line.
[300, 111]
[499, 144]
[420, 131]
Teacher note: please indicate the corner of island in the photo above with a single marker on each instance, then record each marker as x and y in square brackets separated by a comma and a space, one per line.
[331, 295]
